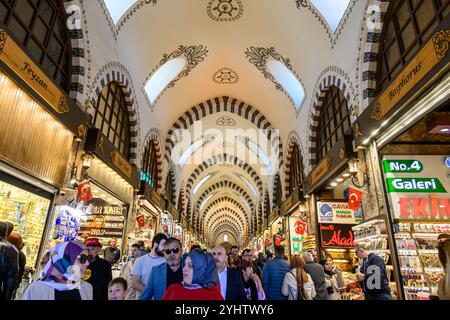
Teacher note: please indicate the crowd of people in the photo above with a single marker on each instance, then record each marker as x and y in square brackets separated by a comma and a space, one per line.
[74, 270]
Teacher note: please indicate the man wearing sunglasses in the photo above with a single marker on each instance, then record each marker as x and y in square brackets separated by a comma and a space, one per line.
[166, 274]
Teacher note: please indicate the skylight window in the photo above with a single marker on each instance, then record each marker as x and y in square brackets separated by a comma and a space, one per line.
[333, 11]
[207, 199]
[117, 8]
[287, 80]
[163, 76]
[204, 179]
[244, 179]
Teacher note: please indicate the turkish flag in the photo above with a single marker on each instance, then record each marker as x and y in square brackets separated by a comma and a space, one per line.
[85, 192]
[354, 199]
[300, 227]
[140, 221]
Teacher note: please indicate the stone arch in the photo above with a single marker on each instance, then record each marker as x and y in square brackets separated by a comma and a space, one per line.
[207, 218]
[372, 36]
[74, 10]
[324, 84]
[115, 71]
[219, 159]
[227, 220]
[154, 135]
[222, 185]
[225, 228]
[223, 199]
[223, 104]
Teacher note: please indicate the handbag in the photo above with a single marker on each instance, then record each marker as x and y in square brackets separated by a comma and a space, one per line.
[301, 292]
[329, 286]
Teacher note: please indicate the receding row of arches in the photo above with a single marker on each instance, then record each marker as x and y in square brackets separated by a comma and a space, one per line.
[41, 29]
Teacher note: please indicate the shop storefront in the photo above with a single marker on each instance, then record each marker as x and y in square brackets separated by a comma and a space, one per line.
[167, 224]
[39, 124]
[405, 133]
[278, 230]
[113, 183]
[149, 213]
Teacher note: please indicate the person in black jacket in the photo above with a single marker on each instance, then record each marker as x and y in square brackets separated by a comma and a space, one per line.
[373, 274]
[9, 265]
[100, 269]
[112, 253]
[231, 286]
[16, 240]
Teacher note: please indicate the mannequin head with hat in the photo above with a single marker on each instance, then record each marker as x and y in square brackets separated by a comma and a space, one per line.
[94, 246]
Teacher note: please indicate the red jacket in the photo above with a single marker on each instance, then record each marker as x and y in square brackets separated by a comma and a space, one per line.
[178, 292]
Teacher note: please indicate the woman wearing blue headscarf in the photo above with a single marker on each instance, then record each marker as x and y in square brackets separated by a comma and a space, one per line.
[200, 279]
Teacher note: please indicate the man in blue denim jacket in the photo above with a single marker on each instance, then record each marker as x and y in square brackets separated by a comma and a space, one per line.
[165, 274]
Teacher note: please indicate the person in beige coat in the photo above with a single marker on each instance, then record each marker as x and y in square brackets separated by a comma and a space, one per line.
[62, 276]
[297, 278]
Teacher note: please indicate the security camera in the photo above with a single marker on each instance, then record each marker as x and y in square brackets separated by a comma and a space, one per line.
[62, 193]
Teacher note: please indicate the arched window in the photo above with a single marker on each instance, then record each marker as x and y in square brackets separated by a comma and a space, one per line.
[296, 171]
[169, 190]
[149, 165]
[180, 203]
[334, 121]
[407, 27]
[266, 205]
[40, 27]
[278, 194]
[111, 117]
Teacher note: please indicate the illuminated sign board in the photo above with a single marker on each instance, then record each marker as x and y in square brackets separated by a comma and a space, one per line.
[418, 186]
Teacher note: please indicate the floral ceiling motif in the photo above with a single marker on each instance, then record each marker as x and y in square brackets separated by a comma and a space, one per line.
[226, 76]
[225, 10]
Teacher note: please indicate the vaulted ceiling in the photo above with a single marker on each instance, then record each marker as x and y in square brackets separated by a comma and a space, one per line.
[225, 87]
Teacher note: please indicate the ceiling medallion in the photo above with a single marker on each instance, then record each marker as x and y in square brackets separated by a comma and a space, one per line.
[226, 76]
[225, 122]
[225, 10]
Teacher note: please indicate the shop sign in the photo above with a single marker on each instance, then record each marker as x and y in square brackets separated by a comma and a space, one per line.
[298, 231]
[121, 163]
[103, 221]
[422, 185]
[403, 166]
[435, 50]
[337, 235]
[320, 170]
[424, 208]
[13, 56]
[338, 213]
[414, 195]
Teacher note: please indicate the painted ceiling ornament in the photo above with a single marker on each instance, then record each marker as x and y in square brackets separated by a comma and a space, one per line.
[225, 10]
[193, 55]
[259, 57]
[226, 122]
[226, 76]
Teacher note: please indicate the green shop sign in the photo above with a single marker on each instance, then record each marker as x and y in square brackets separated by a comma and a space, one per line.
[419, 185]
[402, 166]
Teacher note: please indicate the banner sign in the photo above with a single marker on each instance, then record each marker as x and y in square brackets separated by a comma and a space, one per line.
[418, 186]
[338, 213]
[337, 235]
[298, 231]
